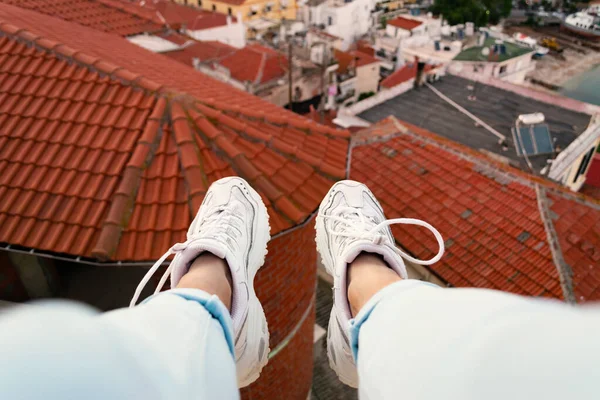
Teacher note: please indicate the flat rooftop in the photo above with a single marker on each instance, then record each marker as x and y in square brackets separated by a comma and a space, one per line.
[496, 107]
[475, 53]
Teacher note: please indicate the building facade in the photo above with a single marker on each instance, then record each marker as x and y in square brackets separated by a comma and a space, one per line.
[348, 20]
[230, 30]
[249, 9]
[495, 58]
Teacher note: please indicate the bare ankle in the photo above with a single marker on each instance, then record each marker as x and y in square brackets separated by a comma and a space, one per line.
[210, 274]
[367, 275]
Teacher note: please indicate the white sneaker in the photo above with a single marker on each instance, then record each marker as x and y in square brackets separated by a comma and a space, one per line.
[232, 224]
[351, 221]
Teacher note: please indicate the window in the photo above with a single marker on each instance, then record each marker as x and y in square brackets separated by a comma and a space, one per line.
[214, 7]
[329, 21]
[199, 3]
[229, 10]
[502, 69]
[584, 164]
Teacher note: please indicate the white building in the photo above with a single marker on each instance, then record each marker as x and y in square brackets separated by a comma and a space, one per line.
[357, 73]
[220, 27]
[495, 58]
[403, 27]
[417, 30]
[346, 19]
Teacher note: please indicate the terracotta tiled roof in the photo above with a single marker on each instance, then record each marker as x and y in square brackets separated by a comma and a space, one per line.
[404, 74]
[175, 37]
[209, 20]
[365, 47]
[107, 149]
[178, 15]
[353, 58]
[203, 51]
[488, 213]
[404, 23]
[112, 16]
[578, 228]
[255, 63]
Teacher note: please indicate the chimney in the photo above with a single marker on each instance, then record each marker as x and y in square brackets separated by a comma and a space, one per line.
[228, 20]
[419, 75]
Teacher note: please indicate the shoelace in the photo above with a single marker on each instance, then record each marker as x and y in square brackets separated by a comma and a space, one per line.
[212, 223]
[356, 225]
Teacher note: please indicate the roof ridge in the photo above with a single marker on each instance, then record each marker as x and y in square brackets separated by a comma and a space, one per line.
[480, 158]
[121, 207]
[261, 67]
[565, 273]
[252, 134]
[300, 123]
[93, 63]
[167, 168]
[97, 64]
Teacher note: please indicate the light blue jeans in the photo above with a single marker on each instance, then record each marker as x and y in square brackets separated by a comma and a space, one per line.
[412, 340]
[175, 345]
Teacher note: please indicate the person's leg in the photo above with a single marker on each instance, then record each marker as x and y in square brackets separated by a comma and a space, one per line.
[177, 344]
[367, 275]
[201, 340]
[416, 340]
[352, 230]
[412, 339]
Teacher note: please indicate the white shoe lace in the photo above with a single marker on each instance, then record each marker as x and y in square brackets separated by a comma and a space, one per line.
[353, 224]
[217, 222]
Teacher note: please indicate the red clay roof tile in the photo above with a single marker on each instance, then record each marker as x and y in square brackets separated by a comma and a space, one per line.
[203, 51]
[404, 23]
[255, 63]
[487, 212]
[117, 16]
[99, 168]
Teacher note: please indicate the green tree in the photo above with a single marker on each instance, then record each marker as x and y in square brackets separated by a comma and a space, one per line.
[365, 95]
[481, 12]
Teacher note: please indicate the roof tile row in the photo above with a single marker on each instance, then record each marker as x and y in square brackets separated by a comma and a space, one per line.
[488, 213]
[127, 151]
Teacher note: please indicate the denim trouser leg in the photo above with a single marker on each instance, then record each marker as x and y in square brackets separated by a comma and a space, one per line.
[176, 345]
[414, 340]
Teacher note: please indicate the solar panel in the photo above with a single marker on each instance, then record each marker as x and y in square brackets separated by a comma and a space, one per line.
[533, 139]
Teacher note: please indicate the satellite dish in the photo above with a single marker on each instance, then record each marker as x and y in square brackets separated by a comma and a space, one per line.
[485, 51]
